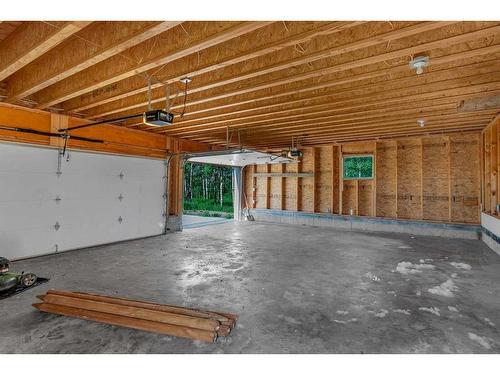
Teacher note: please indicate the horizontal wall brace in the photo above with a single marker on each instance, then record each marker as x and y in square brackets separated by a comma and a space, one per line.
[279, 174]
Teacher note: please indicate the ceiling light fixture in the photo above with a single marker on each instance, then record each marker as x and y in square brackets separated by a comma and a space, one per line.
[418, 63]
[421, 122]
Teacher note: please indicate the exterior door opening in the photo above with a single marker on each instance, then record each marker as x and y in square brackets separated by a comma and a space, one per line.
[213, 183]
[208, 190]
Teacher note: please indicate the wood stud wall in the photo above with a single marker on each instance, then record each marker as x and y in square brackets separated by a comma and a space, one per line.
[433, 178]
[490, 167]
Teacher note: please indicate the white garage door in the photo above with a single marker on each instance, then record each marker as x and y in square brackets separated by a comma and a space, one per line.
[96, 199]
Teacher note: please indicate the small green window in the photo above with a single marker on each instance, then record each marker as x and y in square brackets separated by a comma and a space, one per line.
[358, 167]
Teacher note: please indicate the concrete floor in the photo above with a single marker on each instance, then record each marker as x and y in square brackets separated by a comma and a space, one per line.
[194, 221]
[297, 290]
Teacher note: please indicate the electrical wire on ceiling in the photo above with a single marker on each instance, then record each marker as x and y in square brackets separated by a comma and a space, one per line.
[186, 81]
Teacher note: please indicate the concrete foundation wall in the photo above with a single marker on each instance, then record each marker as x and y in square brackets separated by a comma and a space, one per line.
[420, 228]
[174, 223]
[491, 232]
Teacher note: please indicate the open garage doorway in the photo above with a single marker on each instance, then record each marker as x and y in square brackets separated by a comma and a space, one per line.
[208, 194]
[213, 185]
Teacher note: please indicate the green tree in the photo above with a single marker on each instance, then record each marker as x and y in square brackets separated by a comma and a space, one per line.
[358, 167]
[207, 188]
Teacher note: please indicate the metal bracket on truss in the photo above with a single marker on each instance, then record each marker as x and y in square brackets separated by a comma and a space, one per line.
[59, 158]
[62, 152]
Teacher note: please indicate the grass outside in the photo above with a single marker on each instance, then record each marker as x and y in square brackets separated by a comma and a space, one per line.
[207, 207]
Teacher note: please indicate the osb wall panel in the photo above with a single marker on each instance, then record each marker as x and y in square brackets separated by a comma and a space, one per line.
[349, 197]
[436, 178]
[386, 169]
[464, 178]
[291, 188]
[306, 184]
[365, 198]
[409, 179]
[431, 178]
[359, 148]
[323, 171]
[335, 179]
[261, 188]
[275, 187]
[490, 166]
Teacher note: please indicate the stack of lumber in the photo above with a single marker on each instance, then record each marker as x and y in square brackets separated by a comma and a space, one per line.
[152, 317]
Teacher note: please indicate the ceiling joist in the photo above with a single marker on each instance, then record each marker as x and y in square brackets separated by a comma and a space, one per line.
[31, 40]
[90, 46]
[266, 82]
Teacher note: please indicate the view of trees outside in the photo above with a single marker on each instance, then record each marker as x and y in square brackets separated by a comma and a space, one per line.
[208, 190]
[358, 167]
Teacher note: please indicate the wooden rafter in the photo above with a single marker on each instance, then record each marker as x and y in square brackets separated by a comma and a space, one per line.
[85, 81]
[325, 82]
[227, 94]
[31, 40]
[438, 116]
[262, 103]
[137, 86]
[94, 44]
[138, 101]
[386, 86]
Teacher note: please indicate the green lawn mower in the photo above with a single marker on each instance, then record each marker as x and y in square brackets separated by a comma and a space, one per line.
[9, 280]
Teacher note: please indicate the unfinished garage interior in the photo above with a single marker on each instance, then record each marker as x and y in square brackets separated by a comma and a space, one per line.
[365, 163]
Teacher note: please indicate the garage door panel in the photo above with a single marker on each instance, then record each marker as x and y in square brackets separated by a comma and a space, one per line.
[74, 236]
[130, 168]
[89, 207]
[27, 214]
[15, 244]
[20, 186]
[35, 160]
[88, 187]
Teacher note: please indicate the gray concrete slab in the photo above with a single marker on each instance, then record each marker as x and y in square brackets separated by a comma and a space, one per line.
[195, 221]
[297, 289]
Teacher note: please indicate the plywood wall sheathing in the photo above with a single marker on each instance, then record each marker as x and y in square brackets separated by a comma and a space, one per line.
[494, 167]
[306, 184]
[386, 179]
[365, 197]
[409, 161]
[490, 167]
[349, 197]
[261, 188]
[435, 182]
[335, 181]
[323, 173]
[435, 177]
[464, 178]
[487, 168]
[275, 189]
[291, 188]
